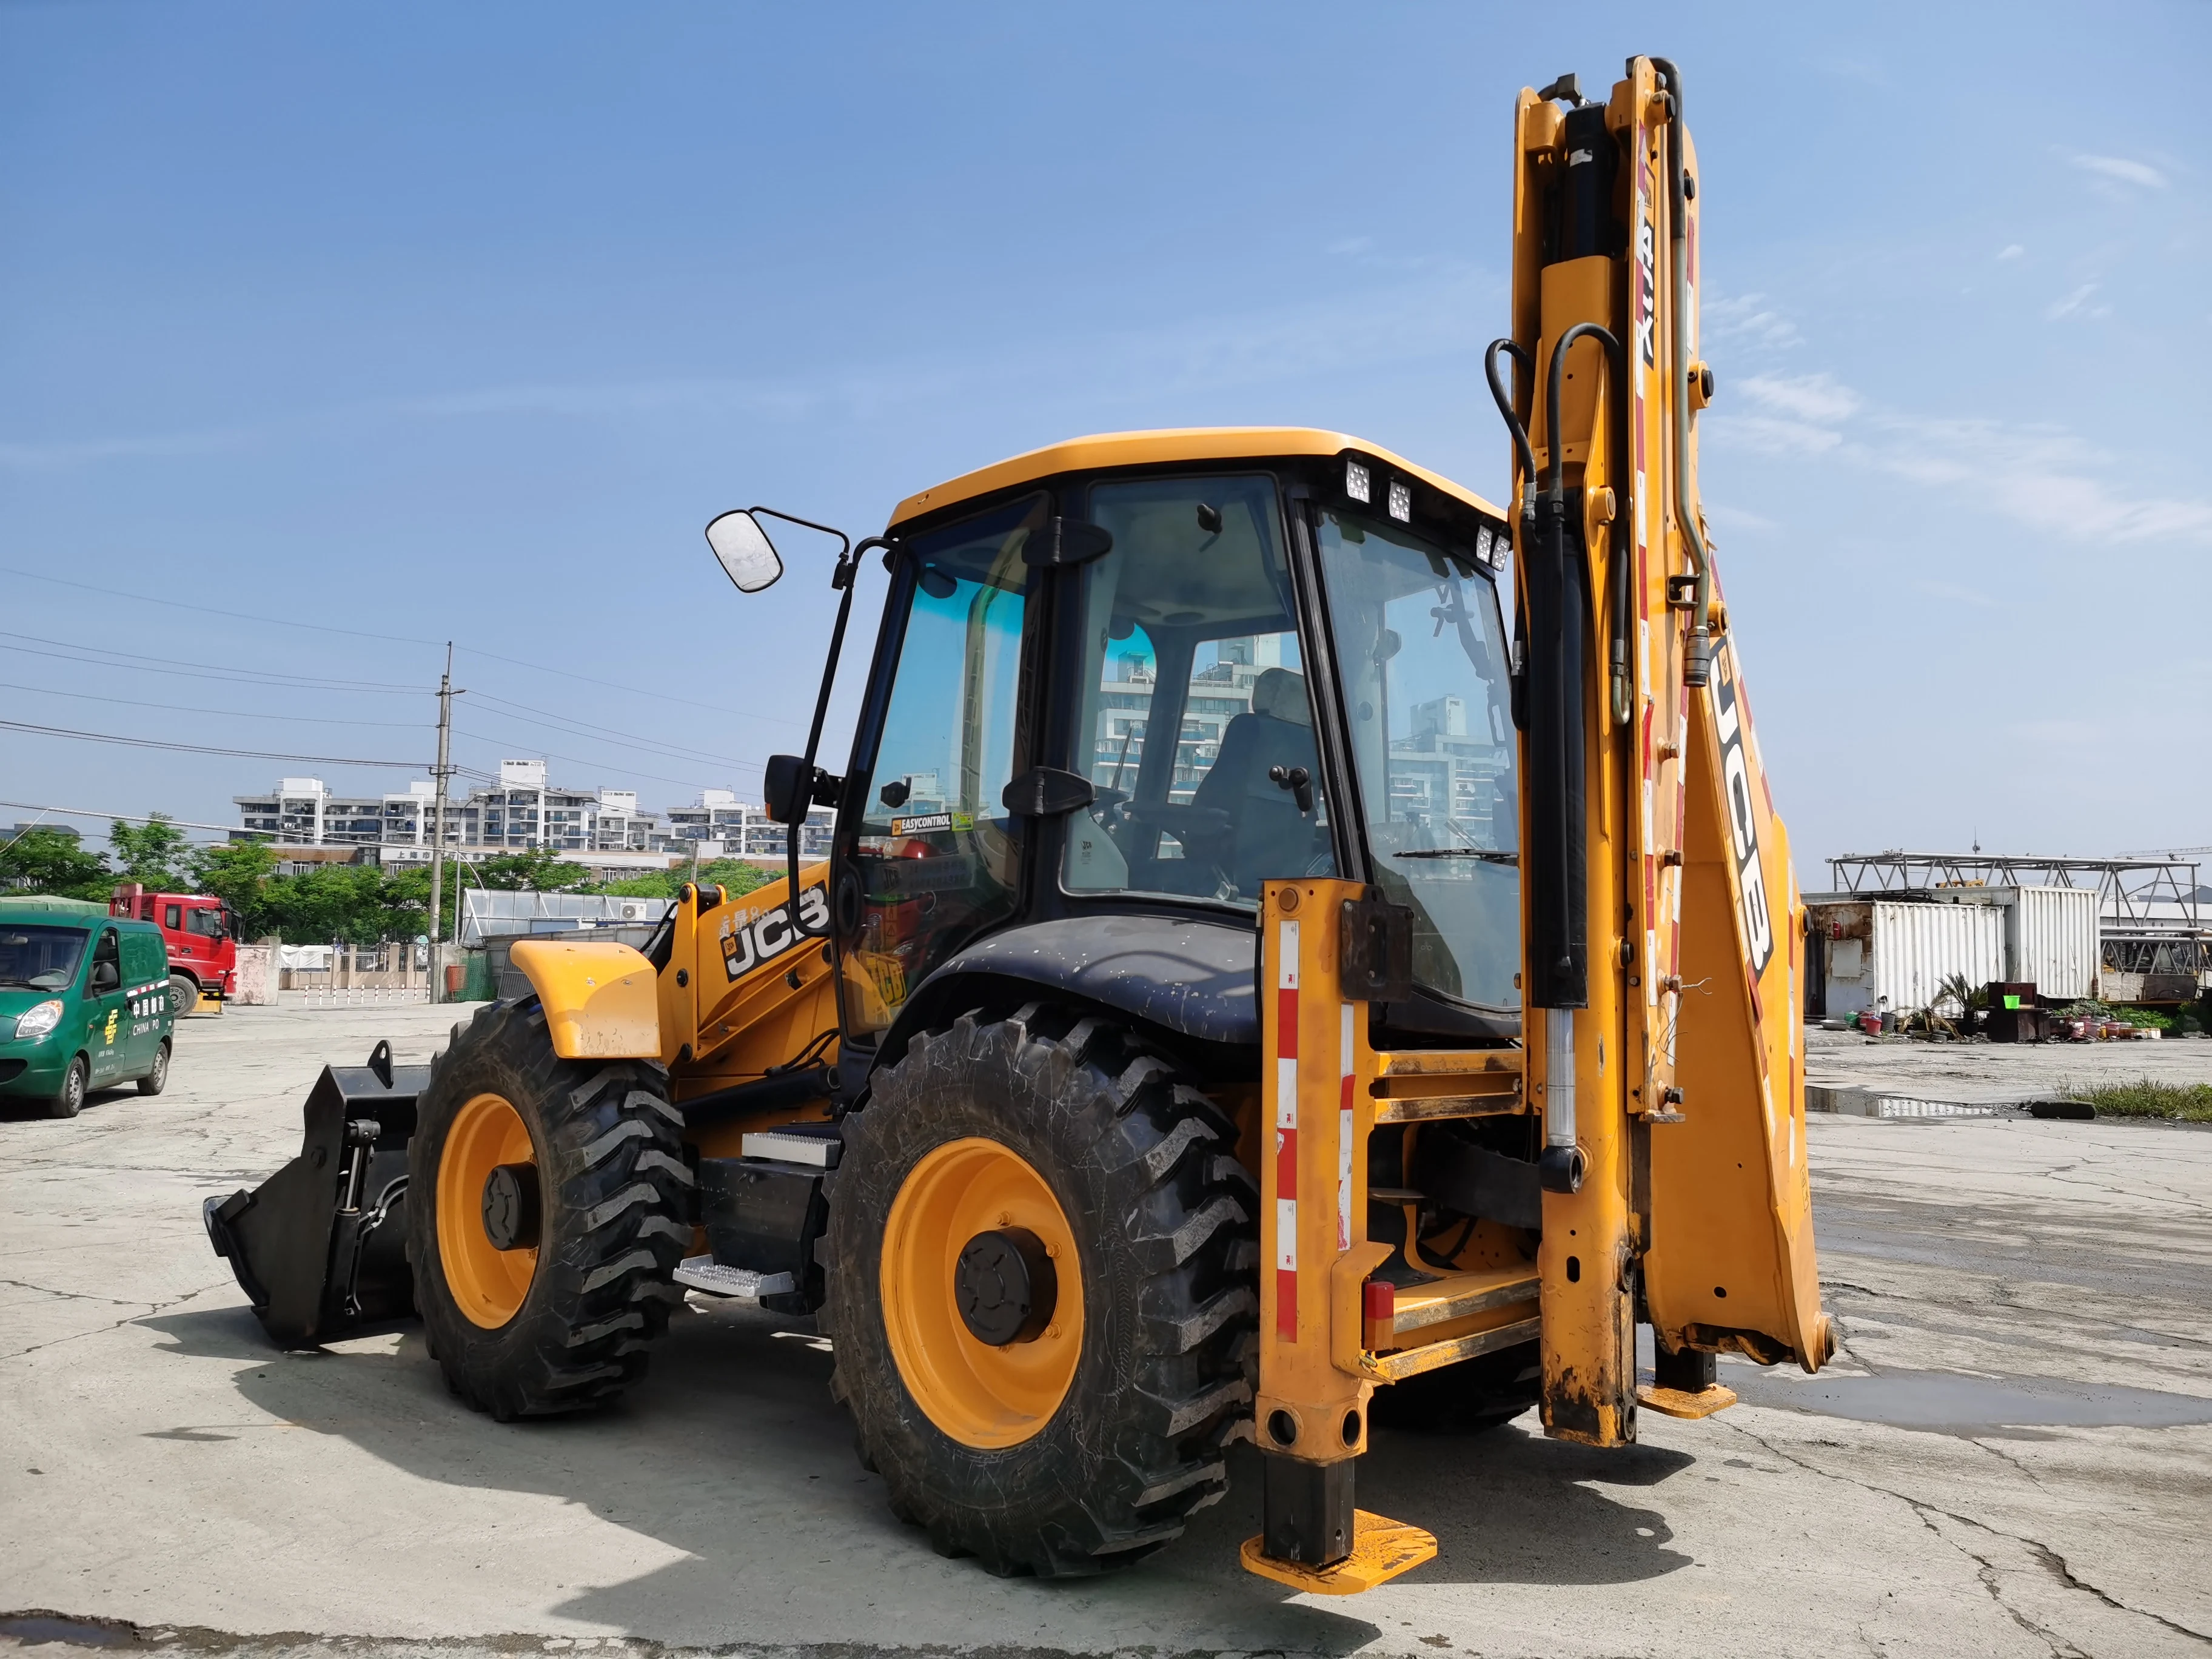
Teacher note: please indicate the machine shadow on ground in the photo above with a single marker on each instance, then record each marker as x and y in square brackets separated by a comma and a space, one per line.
[734, 1452]
[14, 1109]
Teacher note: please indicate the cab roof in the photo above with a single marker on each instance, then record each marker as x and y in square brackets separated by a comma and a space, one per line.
[1169, 447]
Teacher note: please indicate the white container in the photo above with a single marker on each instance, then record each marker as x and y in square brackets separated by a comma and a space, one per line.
[2052, 935]
[1894, 955]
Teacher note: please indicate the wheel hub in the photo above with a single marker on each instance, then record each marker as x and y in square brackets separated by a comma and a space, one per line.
[1005, 1287]
[511, 1206]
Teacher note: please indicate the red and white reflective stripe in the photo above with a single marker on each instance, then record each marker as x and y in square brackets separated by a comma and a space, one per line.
[1344, 1135]
[1286, 1131]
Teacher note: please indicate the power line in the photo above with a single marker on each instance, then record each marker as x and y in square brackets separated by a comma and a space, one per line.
[500, 706]
[107, 593]
[202, 671]
[187, 708]
[205, 748]
[128, 817]
[636, 690]
[573, 760]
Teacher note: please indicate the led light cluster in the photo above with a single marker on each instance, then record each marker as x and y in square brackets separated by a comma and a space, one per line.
[1357, 484]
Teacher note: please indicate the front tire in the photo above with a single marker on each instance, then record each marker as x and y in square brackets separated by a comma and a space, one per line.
[1086, 1441]
[589, 1199]
[71, 1101]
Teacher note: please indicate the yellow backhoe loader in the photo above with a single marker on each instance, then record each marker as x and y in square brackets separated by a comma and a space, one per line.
[1301, 947]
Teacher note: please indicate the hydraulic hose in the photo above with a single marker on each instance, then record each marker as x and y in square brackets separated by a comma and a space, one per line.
[1698, 661]
[1526, 368]
[1623, 512]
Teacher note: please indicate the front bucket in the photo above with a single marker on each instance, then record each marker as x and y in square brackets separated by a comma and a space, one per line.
[320, 1247]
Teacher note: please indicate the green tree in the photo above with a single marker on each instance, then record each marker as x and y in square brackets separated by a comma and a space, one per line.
[47, 861]
[238, 873]
[154, 853]
[533, 870]
[733, 876]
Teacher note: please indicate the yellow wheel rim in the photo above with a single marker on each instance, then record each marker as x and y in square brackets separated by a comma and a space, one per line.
[980, 1395]
[487, 1282]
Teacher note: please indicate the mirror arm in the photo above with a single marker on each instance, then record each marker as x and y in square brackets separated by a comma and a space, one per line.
[844, 541]
[848, 564]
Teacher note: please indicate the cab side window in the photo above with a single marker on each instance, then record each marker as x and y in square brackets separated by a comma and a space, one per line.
[105, 974]
[172, 917]
[205, 919]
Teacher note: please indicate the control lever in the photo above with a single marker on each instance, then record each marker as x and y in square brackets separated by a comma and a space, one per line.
[1297, 780]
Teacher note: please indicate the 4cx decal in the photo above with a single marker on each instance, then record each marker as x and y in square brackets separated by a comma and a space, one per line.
[1743, 827]
[747, 943]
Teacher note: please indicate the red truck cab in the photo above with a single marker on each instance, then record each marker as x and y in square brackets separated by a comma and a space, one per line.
[200, 931]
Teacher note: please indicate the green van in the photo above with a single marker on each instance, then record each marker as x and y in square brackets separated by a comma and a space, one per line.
[84, 1003]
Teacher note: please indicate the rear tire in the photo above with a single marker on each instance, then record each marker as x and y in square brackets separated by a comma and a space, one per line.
[613, 1196]
[157, 1079]
[71, 1101]
[1161, 1215]
[184, 995]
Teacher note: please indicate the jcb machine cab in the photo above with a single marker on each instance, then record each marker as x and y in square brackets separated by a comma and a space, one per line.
[1302, 946]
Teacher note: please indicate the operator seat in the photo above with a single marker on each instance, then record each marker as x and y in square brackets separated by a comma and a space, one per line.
[1268, 837]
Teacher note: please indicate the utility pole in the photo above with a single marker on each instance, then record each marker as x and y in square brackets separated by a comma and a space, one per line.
[439, 774]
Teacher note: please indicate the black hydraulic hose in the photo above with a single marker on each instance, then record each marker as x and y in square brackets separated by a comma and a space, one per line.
[1525, 370]
[1698, 661]
[1526, 367]
[1557, 489]
[1622, 511]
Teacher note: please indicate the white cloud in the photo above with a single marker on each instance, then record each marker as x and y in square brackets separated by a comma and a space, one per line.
[1751, 317]
[1960, 593]
[1814, 398]
[2120, 167]
[2044, 477]
[2072, 303]
[1727, 517]
[1351, 245]
[2011, 251]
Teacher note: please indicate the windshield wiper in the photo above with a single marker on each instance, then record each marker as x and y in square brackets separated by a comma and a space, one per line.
[1482, 852]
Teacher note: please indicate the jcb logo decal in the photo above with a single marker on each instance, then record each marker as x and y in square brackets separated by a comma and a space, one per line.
[1647, 322]
[768, 935]
[1743, 828]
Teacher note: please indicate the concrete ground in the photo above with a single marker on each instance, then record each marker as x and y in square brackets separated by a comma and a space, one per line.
[2013, 1454]
[1999, 1071]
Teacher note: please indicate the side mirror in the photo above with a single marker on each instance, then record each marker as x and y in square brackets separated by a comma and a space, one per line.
[747, 556]
[105, 976]
[789, 785]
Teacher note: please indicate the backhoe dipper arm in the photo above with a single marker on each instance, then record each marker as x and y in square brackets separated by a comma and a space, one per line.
[1660, 916]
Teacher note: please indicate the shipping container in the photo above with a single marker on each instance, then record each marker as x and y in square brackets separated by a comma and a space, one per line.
[2050, 934]
[1893, 955]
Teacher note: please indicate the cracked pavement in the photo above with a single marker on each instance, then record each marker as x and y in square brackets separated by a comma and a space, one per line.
[2012, 1454]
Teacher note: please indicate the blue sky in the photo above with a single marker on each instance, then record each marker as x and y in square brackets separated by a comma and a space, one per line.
[429, 322]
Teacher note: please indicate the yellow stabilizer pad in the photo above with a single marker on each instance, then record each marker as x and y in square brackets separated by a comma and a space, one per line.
[1677, 1402]
[1380, 1550]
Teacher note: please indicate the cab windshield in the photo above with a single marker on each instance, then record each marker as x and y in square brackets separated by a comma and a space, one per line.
[40, 958]
[1421, 659]
[1197, 727]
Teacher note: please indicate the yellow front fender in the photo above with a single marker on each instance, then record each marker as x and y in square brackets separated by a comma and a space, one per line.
[599, 1000]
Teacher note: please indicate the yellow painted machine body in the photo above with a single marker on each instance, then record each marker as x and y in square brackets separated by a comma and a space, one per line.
[1682, 1059]
[1666, 1076]
[1689, 1062]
